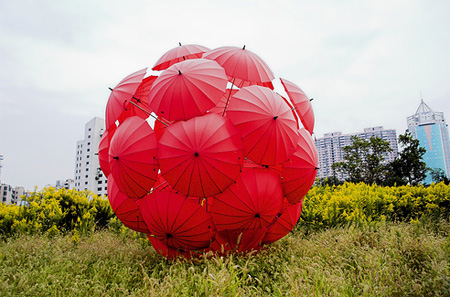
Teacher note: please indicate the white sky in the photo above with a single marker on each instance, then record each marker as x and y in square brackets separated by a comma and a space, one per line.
[365, 63]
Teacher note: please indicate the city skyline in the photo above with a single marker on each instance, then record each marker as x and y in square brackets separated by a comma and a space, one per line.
[364, 63]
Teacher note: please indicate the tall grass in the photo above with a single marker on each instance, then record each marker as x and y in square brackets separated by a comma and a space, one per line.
[382, 259]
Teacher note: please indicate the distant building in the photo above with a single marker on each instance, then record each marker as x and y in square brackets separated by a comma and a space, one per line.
[88, 175]
[330, 147]
[11, 195]
[67, 184]
[430, 128]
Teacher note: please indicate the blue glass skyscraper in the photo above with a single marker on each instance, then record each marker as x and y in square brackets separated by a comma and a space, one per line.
[430, 128]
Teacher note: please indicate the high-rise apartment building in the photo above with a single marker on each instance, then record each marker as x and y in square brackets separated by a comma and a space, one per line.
[88, 175]
[329, 147]
[430, 128]
[11, 195]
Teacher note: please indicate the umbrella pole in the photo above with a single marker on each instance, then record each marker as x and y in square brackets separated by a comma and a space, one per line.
[149, 113]
[229, 95]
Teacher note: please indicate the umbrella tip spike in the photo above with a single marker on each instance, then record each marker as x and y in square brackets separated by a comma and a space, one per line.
[179, 43]
[311, 99]
[243, 47]
[275, 117]
[110, 88]
[179, 71]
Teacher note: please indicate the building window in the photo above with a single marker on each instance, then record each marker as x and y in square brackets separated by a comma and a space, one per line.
[89, 129]
[87, 176]
[88, 150]
[87, 163]
[85, 183]
[89, 143]
[89, 136]
[87, 169]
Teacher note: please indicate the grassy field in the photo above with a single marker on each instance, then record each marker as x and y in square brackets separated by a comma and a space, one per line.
[383, 259]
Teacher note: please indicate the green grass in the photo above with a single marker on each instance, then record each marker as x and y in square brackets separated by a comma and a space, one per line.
[381, 260]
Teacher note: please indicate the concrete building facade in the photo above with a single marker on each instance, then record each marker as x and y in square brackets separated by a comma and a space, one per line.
[88, 175]
[330, 146]
[430, 128]
[10, 194]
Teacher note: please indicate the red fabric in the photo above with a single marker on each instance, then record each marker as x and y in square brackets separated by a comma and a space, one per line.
[285, 223]
[222, 104]
[187, 89]
[165, 250]
[252, 202]
[177, 221]
[121, 96]
[125, 208]
[179, 54]
[268, 127]
[237, 240]
[243, 67]
[299, 172]
[103, 151]
[201, 157]
[140, 98]
[132, 157]
[301, 103]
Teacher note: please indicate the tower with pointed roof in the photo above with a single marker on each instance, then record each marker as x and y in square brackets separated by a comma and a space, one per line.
[430, 128]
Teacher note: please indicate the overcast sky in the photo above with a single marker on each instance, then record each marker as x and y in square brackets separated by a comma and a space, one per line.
[365, 63]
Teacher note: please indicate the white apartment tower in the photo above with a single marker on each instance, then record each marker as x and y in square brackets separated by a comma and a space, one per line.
[88, 175]
[329, 147]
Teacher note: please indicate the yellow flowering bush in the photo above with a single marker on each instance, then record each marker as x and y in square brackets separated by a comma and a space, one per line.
[328, 206]
[54, 211]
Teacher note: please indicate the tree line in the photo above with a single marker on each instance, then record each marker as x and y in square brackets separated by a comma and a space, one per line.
[364, 161]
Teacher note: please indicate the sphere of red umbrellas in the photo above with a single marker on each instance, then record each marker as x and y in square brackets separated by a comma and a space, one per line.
[206, 156]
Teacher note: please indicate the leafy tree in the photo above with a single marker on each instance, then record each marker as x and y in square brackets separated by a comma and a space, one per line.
[363, 160]
[408, 167]
[438, 175]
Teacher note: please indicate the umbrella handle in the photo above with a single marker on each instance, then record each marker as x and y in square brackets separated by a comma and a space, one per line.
[229, 95]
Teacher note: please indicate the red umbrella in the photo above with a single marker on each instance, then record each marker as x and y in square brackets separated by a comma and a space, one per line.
[125, 208]
[188, 89]
[165, 250]
[138, 104]
[238, 240]
[299, 172]
[285, 223]
[243, 67]
[201, 157]
[302, 104]
[121, 96]
[103, 151]
[179, 54]
[268, 127]
[133, 157]
[252, 202]
[177, 221]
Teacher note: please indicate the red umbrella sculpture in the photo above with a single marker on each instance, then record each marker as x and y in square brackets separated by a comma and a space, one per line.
[221, 169]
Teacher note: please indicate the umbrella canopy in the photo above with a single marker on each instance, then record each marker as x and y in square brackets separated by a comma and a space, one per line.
[121, 96]
[179, 54]
[268, 127]
[252, 202]
[103, 151]
[125, 208]
[187, 89]
[177, 221]
[302, 104]
[299, 172]
[243, 67]
[132, 157]
[285, 223]
[165, 250]
[201, 157]
[138, 104]
[238, 240]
